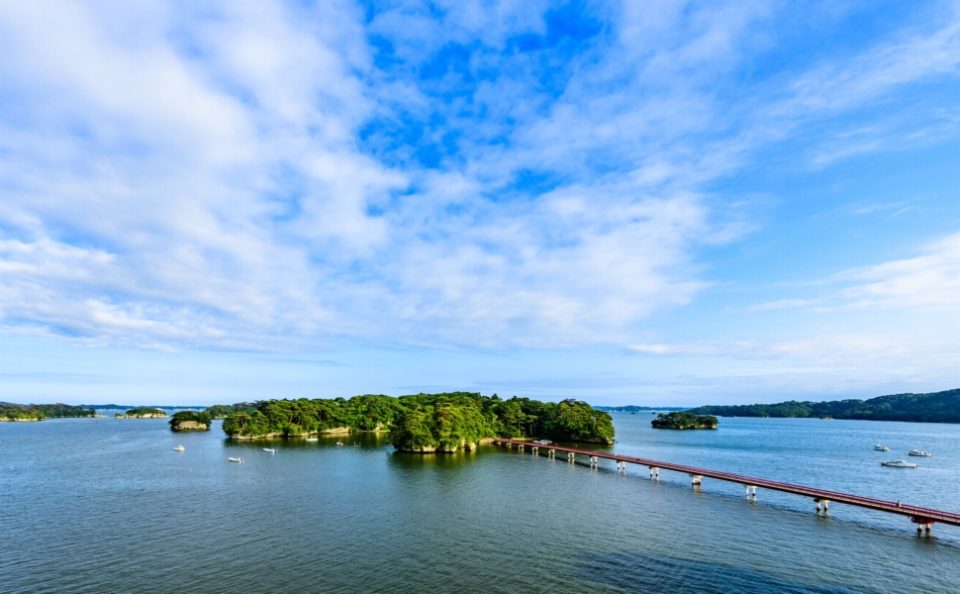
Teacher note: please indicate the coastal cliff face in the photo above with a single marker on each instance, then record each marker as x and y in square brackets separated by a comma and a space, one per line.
[190, 426]
[188, 420]
[280, 435]
[445, 448]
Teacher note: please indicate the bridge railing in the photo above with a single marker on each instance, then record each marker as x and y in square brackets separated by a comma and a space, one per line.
[919, 514]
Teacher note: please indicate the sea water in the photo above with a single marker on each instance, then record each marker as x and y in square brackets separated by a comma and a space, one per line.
[101, 505]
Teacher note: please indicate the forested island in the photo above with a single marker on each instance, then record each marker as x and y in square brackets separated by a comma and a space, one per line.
[684, 420]
[445, 422]
[37, 412]
[222, 411]
[935, 407]
[633, 408]
[189, 420]
[143, 412]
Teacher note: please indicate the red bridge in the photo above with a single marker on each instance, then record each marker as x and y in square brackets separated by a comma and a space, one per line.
[923, 517]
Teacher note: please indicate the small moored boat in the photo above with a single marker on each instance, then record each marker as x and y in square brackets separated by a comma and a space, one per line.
[179, 448]
[881, 448]
[339, 444]
[898, 464]
[236, 459]
[920, 453]
[270, 450]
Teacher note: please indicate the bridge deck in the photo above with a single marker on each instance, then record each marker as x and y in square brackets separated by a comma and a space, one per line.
[918, 514]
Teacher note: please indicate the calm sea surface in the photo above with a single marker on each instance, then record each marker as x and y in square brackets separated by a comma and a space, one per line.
[108, 506]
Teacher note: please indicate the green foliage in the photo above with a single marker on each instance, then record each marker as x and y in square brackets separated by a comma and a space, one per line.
[441, 422]
[184, 416]
[18, 412]
[13, 412]
[145, 411]
[573, 420]
[290, 418]
[684, 420]
[937, 407]
[425, 422]
[222, 411]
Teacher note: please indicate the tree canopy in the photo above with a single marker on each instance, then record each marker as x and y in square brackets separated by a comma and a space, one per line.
[425, 422]
[190, 420]
[936, 407]
[145, 411]
[684, 420]
[30, 412]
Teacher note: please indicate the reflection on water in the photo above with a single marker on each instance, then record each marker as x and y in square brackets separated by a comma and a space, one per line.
[104, 506]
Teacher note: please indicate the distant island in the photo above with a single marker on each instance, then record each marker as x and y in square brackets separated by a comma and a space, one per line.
[633, 408]
[142, 413]
[222, 411]
[37, 412]
[684, 420]
[125, 407]
[188, 420]
[425, 423]
[935, 407]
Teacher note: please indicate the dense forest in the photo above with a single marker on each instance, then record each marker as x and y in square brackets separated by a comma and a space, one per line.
[936, 407]
[37, 412]
[143, 412]
[222, 411]
[684, 420]
[425, 422]
[189, 420]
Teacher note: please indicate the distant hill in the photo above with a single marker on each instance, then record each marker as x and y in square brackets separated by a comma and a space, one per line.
[129, 406]
[635, 408]
[936, 407]
[36, 412]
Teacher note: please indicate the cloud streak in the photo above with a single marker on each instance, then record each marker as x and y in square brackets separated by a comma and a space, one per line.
[250, 176]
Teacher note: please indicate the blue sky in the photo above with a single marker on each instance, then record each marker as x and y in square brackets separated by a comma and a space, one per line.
[640, 202]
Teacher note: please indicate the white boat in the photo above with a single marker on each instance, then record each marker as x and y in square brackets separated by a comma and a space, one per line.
[920, 453]
[898, 464]
[313, 439]
[881, 448]
[179, 448]
[270, 450]
[339, 444]
[236, 459]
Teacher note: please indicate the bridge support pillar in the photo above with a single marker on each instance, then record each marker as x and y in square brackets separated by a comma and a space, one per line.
[696, 480]
[571, 457]
[924, 525]
[622, 467]
[823, 505]
[654, 473]
[594, 462]
[750, 491]
[535, 451]
[520, 447]
[551, 453]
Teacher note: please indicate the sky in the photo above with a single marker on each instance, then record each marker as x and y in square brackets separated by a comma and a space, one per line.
[657, 202]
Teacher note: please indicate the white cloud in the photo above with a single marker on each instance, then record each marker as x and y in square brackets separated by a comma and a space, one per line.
[201, 175]
[930, 280]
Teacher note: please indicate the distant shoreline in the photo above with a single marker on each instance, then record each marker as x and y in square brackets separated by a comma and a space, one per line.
[935, 407]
